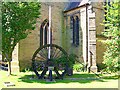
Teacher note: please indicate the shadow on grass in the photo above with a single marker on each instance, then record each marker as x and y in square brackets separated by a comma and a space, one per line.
[77, 78]
[115, 77]
[13, 75]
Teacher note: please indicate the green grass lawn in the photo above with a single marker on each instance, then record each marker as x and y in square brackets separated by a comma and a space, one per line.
[78, 80]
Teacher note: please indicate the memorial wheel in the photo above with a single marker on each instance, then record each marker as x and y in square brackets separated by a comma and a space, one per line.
[57, 61]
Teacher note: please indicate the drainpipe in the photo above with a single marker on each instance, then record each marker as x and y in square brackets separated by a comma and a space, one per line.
[89, 54]
[87, 38]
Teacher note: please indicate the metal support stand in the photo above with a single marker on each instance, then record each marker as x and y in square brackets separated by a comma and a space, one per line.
[50, 75]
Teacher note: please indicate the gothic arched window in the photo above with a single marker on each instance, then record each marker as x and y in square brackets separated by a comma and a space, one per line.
[77, 31]
[44, 33]
[74, 25]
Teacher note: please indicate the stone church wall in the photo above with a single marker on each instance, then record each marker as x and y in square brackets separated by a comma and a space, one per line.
[100, 47]
[80, 50]
[61, 33]
[28, 46]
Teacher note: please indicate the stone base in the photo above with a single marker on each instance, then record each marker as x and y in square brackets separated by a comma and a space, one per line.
[47, 80]
[93, 69]
[70, 72]
[15, 67]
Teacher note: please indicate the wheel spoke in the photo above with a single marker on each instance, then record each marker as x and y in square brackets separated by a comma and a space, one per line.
[56, 54]
[53, 51]
[40, 59]
[60, 55]
[44, 54]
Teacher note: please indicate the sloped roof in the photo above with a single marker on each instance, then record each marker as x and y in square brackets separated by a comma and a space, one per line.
[72, 5]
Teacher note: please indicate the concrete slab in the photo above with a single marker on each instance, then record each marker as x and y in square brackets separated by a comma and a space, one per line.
[8, 84]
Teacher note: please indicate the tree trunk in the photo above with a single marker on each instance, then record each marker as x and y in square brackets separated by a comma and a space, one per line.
[9, 58]
[9, 67]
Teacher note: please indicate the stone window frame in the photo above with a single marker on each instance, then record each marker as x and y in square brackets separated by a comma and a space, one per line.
[74, 26]
[44, 32]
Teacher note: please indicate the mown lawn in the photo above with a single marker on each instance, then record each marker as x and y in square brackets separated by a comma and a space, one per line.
[78, 80]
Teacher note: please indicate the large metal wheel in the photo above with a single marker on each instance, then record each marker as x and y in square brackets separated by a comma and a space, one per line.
[58, 60]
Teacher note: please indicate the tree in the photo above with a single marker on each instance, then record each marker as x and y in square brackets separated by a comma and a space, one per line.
[112, 32]
[18, 19]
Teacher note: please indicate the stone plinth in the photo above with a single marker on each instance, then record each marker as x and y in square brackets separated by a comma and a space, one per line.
[15, 62]
[93, 69]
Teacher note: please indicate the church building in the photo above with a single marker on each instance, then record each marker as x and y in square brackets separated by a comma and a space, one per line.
[76, 27]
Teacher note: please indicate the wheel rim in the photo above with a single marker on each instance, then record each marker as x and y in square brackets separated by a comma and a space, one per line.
[58, 58]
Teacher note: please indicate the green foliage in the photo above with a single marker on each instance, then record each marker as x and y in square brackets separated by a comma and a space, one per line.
[78, 67]
[61, 62]
[101, 67]
[72, 58]
[112, 31]
[18, 19]
[66, 60]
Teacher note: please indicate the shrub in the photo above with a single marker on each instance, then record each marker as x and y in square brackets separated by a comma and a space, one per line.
[72, 58]
[78, 67]
[101, 66]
